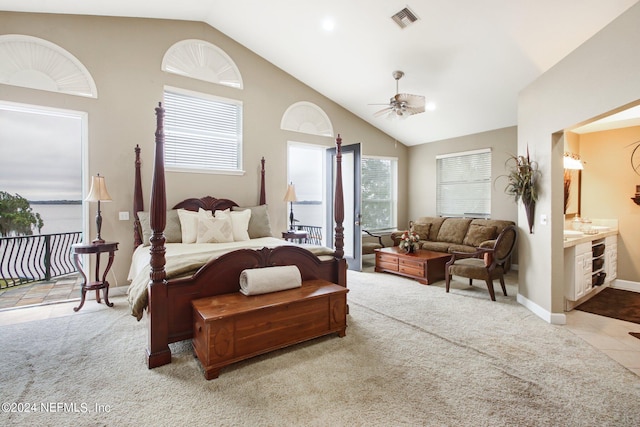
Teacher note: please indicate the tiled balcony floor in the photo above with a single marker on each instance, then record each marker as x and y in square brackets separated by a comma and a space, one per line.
[60, 289]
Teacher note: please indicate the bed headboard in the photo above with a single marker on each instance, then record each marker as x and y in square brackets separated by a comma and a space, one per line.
[192, 204]
[207, 203]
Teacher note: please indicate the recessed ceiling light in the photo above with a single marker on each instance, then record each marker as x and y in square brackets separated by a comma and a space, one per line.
[328, 24]
[430, 106]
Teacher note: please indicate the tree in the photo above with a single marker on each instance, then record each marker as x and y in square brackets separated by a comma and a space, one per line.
[16, 216]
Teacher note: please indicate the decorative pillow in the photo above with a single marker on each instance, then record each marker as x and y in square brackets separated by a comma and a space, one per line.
[214, 230]
[422, 230]
[189, 223]
[259, 223]
[172, 230]
[478, 234]
[239, 222]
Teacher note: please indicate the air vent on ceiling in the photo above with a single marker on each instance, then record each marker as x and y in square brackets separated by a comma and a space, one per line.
[404, 18]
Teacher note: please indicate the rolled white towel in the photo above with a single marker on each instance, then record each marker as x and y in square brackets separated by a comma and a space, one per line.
[257, 281]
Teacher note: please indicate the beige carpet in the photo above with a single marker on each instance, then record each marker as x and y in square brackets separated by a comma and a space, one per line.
[413, 355]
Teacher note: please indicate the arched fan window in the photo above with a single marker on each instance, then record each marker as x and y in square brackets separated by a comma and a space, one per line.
[202, 60]
[307, 117]
[35, 63]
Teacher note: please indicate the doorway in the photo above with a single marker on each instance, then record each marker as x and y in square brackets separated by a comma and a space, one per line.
[44, 158]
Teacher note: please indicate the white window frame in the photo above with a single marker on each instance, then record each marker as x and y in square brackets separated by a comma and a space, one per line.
[467, 193]
[174, 134]
[393, 196]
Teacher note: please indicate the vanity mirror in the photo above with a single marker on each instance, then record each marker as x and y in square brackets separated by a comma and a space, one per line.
[572, 184]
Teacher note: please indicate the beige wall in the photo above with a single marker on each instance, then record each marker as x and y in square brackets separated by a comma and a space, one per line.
[598, 77]
[422, 169]
[124, 56]
[608, 183]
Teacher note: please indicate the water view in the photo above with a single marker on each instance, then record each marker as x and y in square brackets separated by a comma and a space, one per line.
[59, 218]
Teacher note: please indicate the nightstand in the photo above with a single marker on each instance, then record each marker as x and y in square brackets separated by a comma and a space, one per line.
[100, 283]
[299, 236]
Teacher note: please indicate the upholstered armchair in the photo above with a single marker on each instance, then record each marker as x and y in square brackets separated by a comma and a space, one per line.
[486, 263]
[370, 247]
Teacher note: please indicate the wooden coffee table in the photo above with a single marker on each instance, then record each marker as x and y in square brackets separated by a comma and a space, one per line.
[424, 266]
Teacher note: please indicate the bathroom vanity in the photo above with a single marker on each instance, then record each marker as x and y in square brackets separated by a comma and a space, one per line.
[590, 263]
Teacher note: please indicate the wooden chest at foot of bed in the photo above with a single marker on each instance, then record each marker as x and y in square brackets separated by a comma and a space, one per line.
[233, 327]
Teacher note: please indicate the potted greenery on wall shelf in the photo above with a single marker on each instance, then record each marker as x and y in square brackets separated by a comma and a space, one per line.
[522, 181]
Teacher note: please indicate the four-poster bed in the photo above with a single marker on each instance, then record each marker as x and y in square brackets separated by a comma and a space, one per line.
[168, 300]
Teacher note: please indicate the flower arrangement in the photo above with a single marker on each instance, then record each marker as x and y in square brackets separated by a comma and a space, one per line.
[409, 241]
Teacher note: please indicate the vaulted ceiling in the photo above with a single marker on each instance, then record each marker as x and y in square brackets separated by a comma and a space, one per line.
[470, 58]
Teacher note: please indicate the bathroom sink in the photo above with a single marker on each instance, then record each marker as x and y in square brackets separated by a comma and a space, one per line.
[572, 234]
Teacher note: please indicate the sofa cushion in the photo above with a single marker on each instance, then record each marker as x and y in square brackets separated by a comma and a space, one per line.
[478, 234]
[453, 230]
[452, 247]
[435, 246]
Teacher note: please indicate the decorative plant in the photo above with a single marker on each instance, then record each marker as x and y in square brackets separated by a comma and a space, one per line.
[522, 183]
[409, 241]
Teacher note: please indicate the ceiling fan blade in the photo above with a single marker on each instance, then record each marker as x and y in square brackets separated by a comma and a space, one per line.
[413, 101]
[412, 111]
[382, 112]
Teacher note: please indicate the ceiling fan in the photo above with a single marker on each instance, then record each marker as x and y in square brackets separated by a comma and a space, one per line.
[402, 104]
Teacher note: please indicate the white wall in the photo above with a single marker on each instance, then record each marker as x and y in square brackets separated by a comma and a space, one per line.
[598, 77]
[124, 56]
[422, 171]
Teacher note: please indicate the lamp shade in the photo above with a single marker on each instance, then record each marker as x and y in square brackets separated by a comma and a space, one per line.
[571, 162]
[98, 192]
[290, 195]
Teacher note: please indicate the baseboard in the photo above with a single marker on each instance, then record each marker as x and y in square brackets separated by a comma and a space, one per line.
[627, 285]
[553, 318]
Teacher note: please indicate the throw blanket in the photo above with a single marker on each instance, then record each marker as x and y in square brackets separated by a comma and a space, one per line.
[255, 281]
[186, 259]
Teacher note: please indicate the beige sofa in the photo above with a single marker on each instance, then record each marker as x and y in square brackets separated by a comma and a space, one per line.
[447, 234]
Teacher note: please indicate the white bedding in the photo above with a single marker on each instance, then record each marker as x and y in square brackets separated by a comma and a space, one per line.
[182, 259]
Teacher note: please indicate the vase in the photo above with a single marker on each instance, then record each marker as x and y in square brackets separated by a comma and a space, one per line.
[530, 207]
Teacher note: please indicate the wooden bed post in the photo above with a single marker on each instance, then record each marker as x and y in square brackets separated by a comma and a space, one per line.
[338, 208]
[138, 203]
[158, 352]
[263, 197]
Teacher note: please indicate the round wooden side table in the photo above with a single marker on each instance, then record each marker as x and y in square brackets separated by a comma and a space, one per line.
[100, 283]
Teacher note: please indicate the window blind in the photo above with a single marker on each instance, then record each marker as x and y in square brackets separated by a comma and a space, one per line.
[202, 132]
[464, 184]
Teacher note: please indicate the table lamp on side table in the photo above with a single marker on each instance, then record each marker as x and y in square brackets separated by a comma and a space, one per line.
[98, 193]
[290, 196]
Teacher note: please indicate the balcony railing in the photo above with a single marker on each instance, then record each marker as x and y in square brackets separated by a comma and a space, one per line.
[314, 233]
[27, 259]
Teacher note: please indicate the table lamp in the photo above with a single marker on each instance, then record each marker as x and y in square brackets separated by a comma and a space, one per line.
[290, 196]
[98, 193]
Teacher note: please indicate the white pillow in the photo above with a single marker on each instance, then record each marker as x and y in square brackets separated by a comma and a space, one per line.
[239, 222]
[214, 230]
[189, 223]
